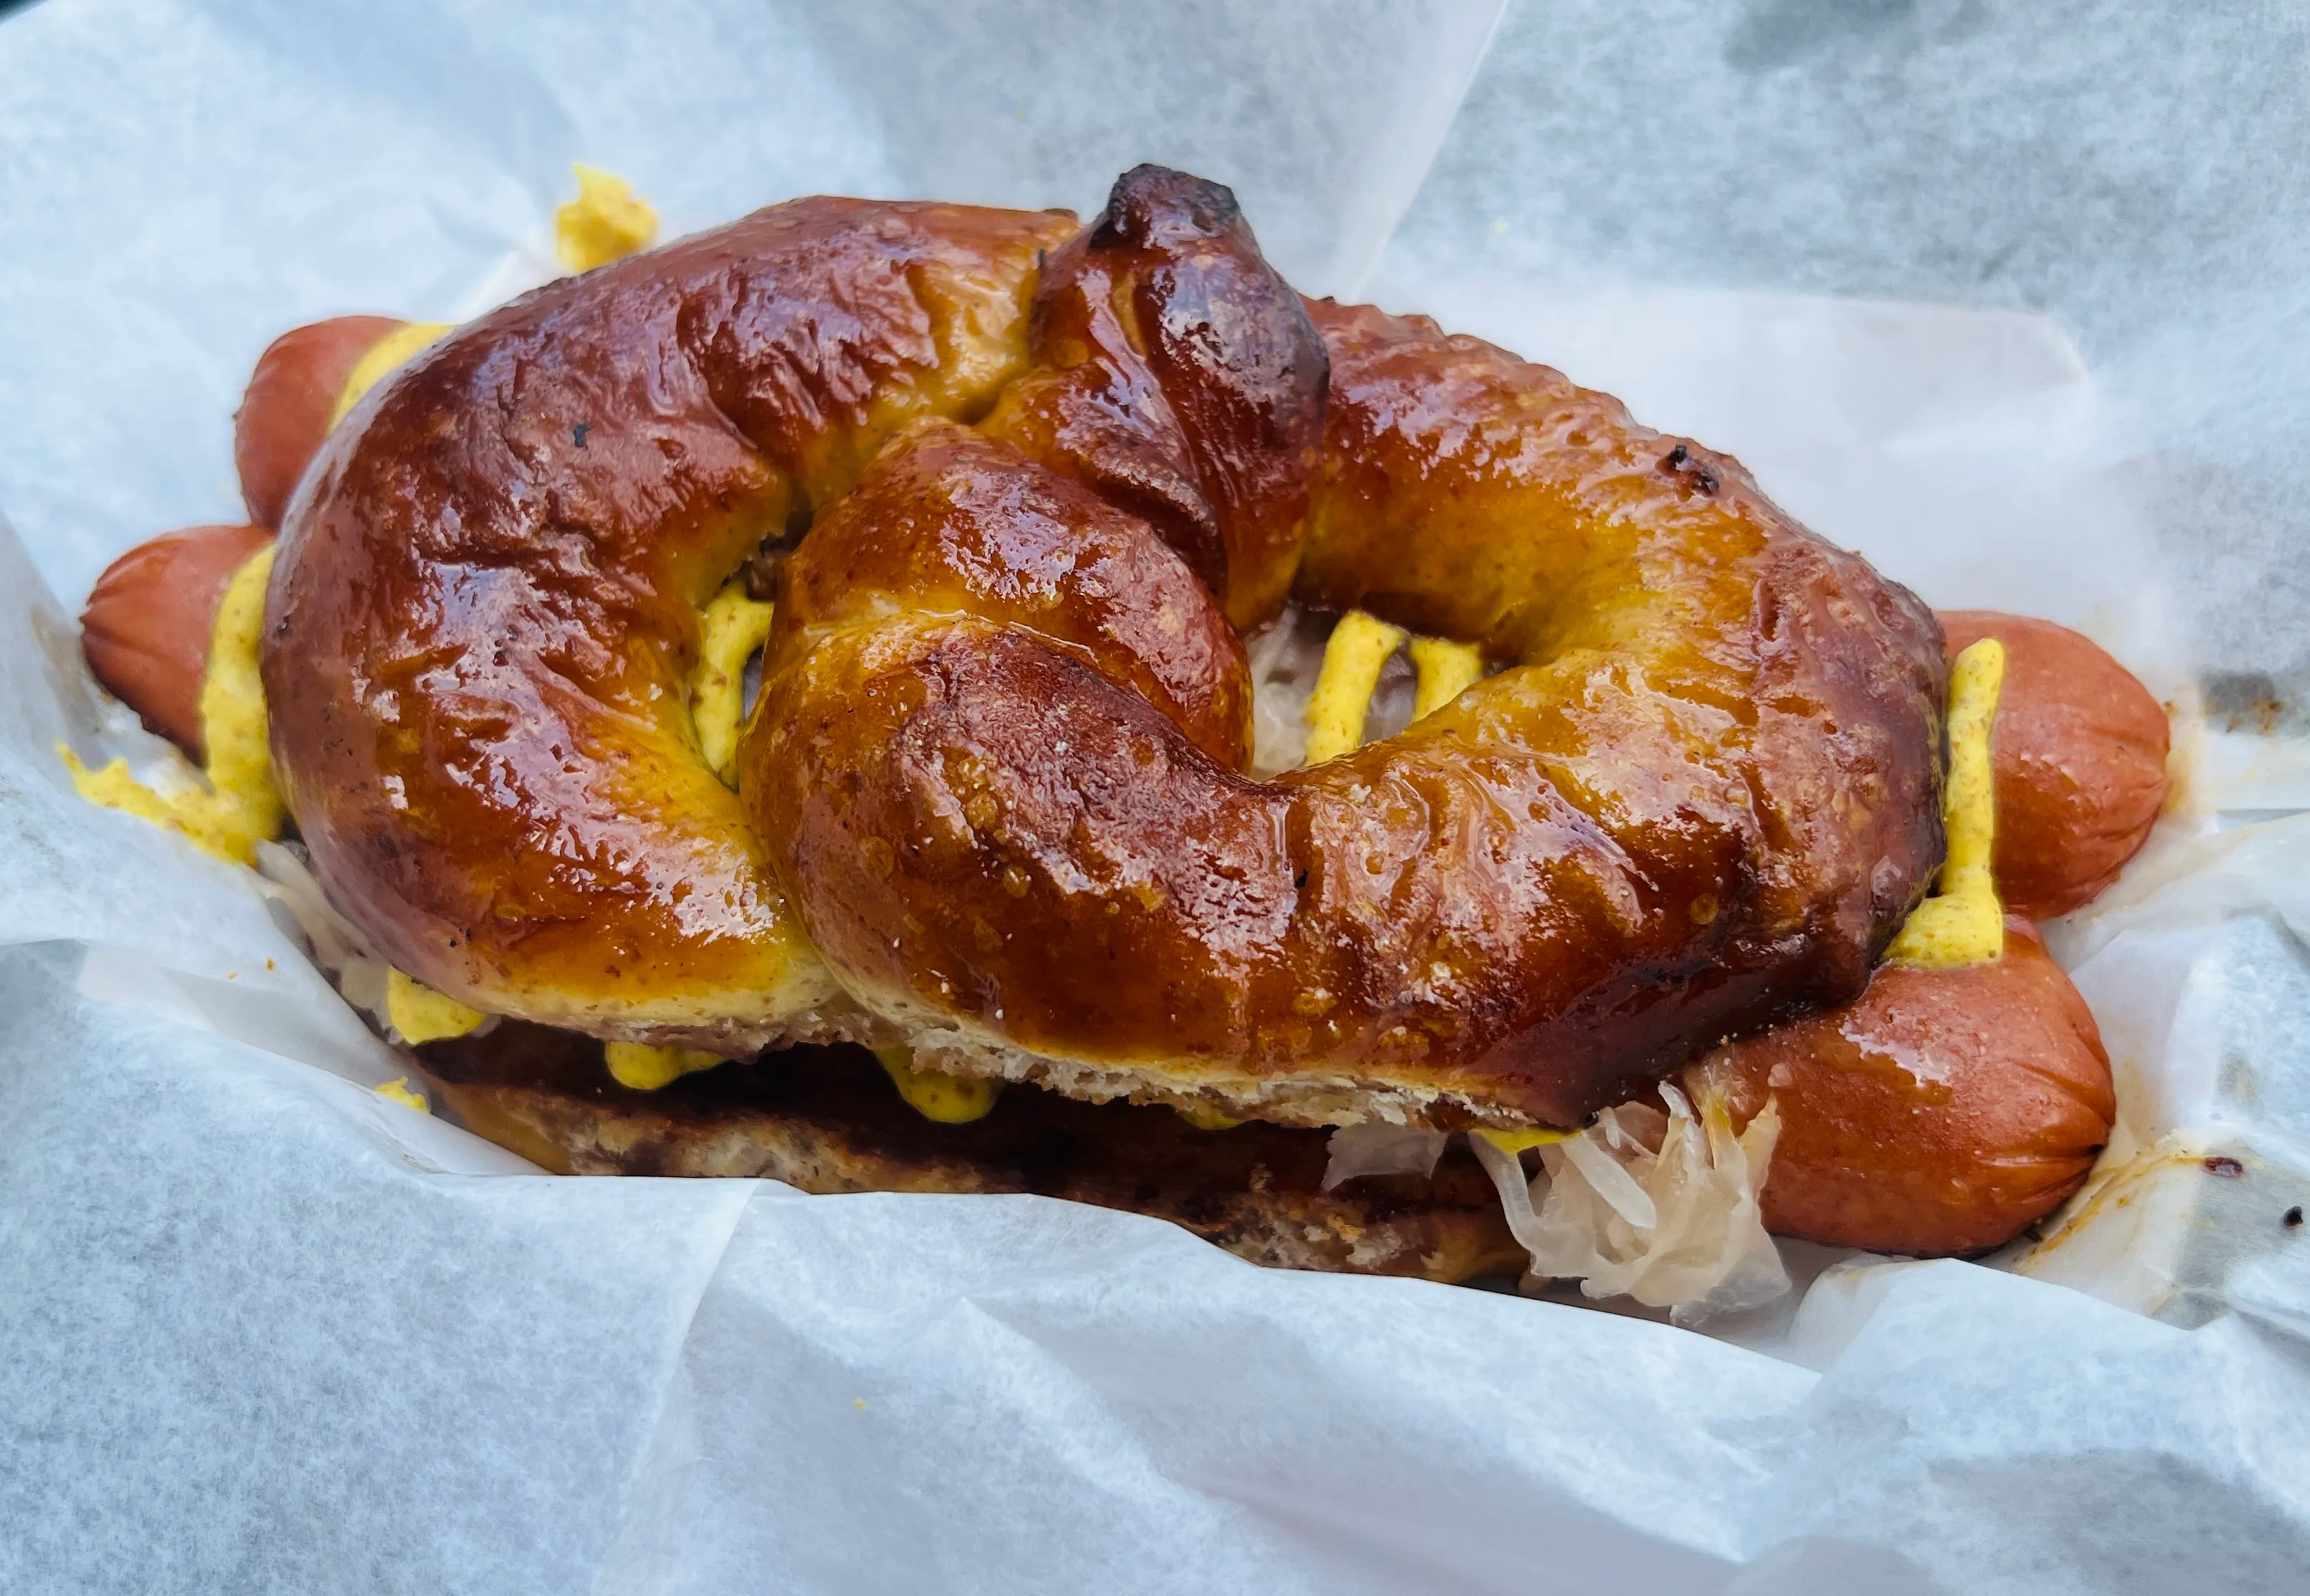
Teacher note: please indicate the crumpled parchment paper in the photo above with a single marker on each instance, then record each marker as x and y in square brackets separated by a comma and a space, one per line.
[261, 1330]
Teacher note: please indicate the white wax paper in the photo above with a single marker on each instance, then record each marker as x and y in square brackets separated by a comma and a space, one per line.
[261, 1330]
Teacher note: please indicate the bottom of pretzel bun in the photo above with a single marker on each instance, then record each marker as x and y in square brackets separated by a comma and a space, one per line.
[827, 1119]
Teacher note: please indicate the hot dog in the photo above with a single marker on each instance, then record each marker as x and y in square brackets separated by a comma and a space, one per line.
[290, 401]
[147, 627]
[2078, 750]
[1938, 1114]
[146, 630]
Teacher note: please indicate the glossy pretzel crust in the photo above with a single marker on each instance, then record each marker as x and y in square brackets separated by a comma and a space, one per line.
[991, 800]
[486, 604]
[1701, 796]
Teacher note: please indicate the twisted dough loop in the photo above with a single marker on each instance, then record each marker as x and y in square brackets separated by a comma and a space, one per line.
[487, 608]
[995, 770]
[1705, 798]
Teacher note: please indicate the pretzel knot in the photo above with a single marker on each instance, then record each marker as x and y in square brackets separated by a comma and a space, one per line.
[991, 800]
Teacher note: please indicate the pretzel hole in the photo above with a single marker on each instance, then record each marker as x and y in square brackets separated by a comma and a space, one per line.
[1288, 660]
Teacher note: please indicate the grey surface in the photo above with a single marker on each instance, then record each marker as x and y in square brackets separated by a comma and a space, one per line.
[513, 1385]
[182, 179]
[2139, 170]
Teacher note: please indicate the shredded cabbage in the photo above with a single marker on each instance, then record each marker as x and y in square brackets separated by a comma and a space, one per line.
[1658, 1207]
[1285, 658]
[341, 952]
[1359, 1150]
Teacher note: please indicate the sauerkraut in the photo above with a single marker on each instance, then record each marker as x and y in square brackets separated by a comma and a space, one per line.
[1657, 1206]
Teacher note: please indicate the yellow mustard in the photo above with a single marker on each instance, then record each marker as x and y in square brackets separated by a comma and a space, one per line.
[1445, 669]
[1515, 1142]
[1963, 922]
[606, 222]
[733, 627]
[646, 1069]
[380, 361]
[239, 806]
[949, 1099]
[1204, 1117]
[1353, 656]
[1357, 650]
[418, 1013]
[399, 1090]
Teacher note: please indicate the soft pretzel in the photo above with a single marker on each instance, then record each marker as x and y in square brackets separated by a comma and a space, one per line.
[1673, 772]
[983, 808]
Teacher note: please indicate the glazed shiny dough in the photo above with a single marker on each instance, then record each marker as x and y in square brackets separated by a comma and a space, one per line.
[485, 618]
[991, 803]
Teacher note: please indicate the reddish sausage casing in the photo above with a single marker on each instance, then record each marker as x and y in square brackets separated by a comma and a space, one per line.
[146, 630]
[2078, 749]
[1938, 1113]
[285, 414]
